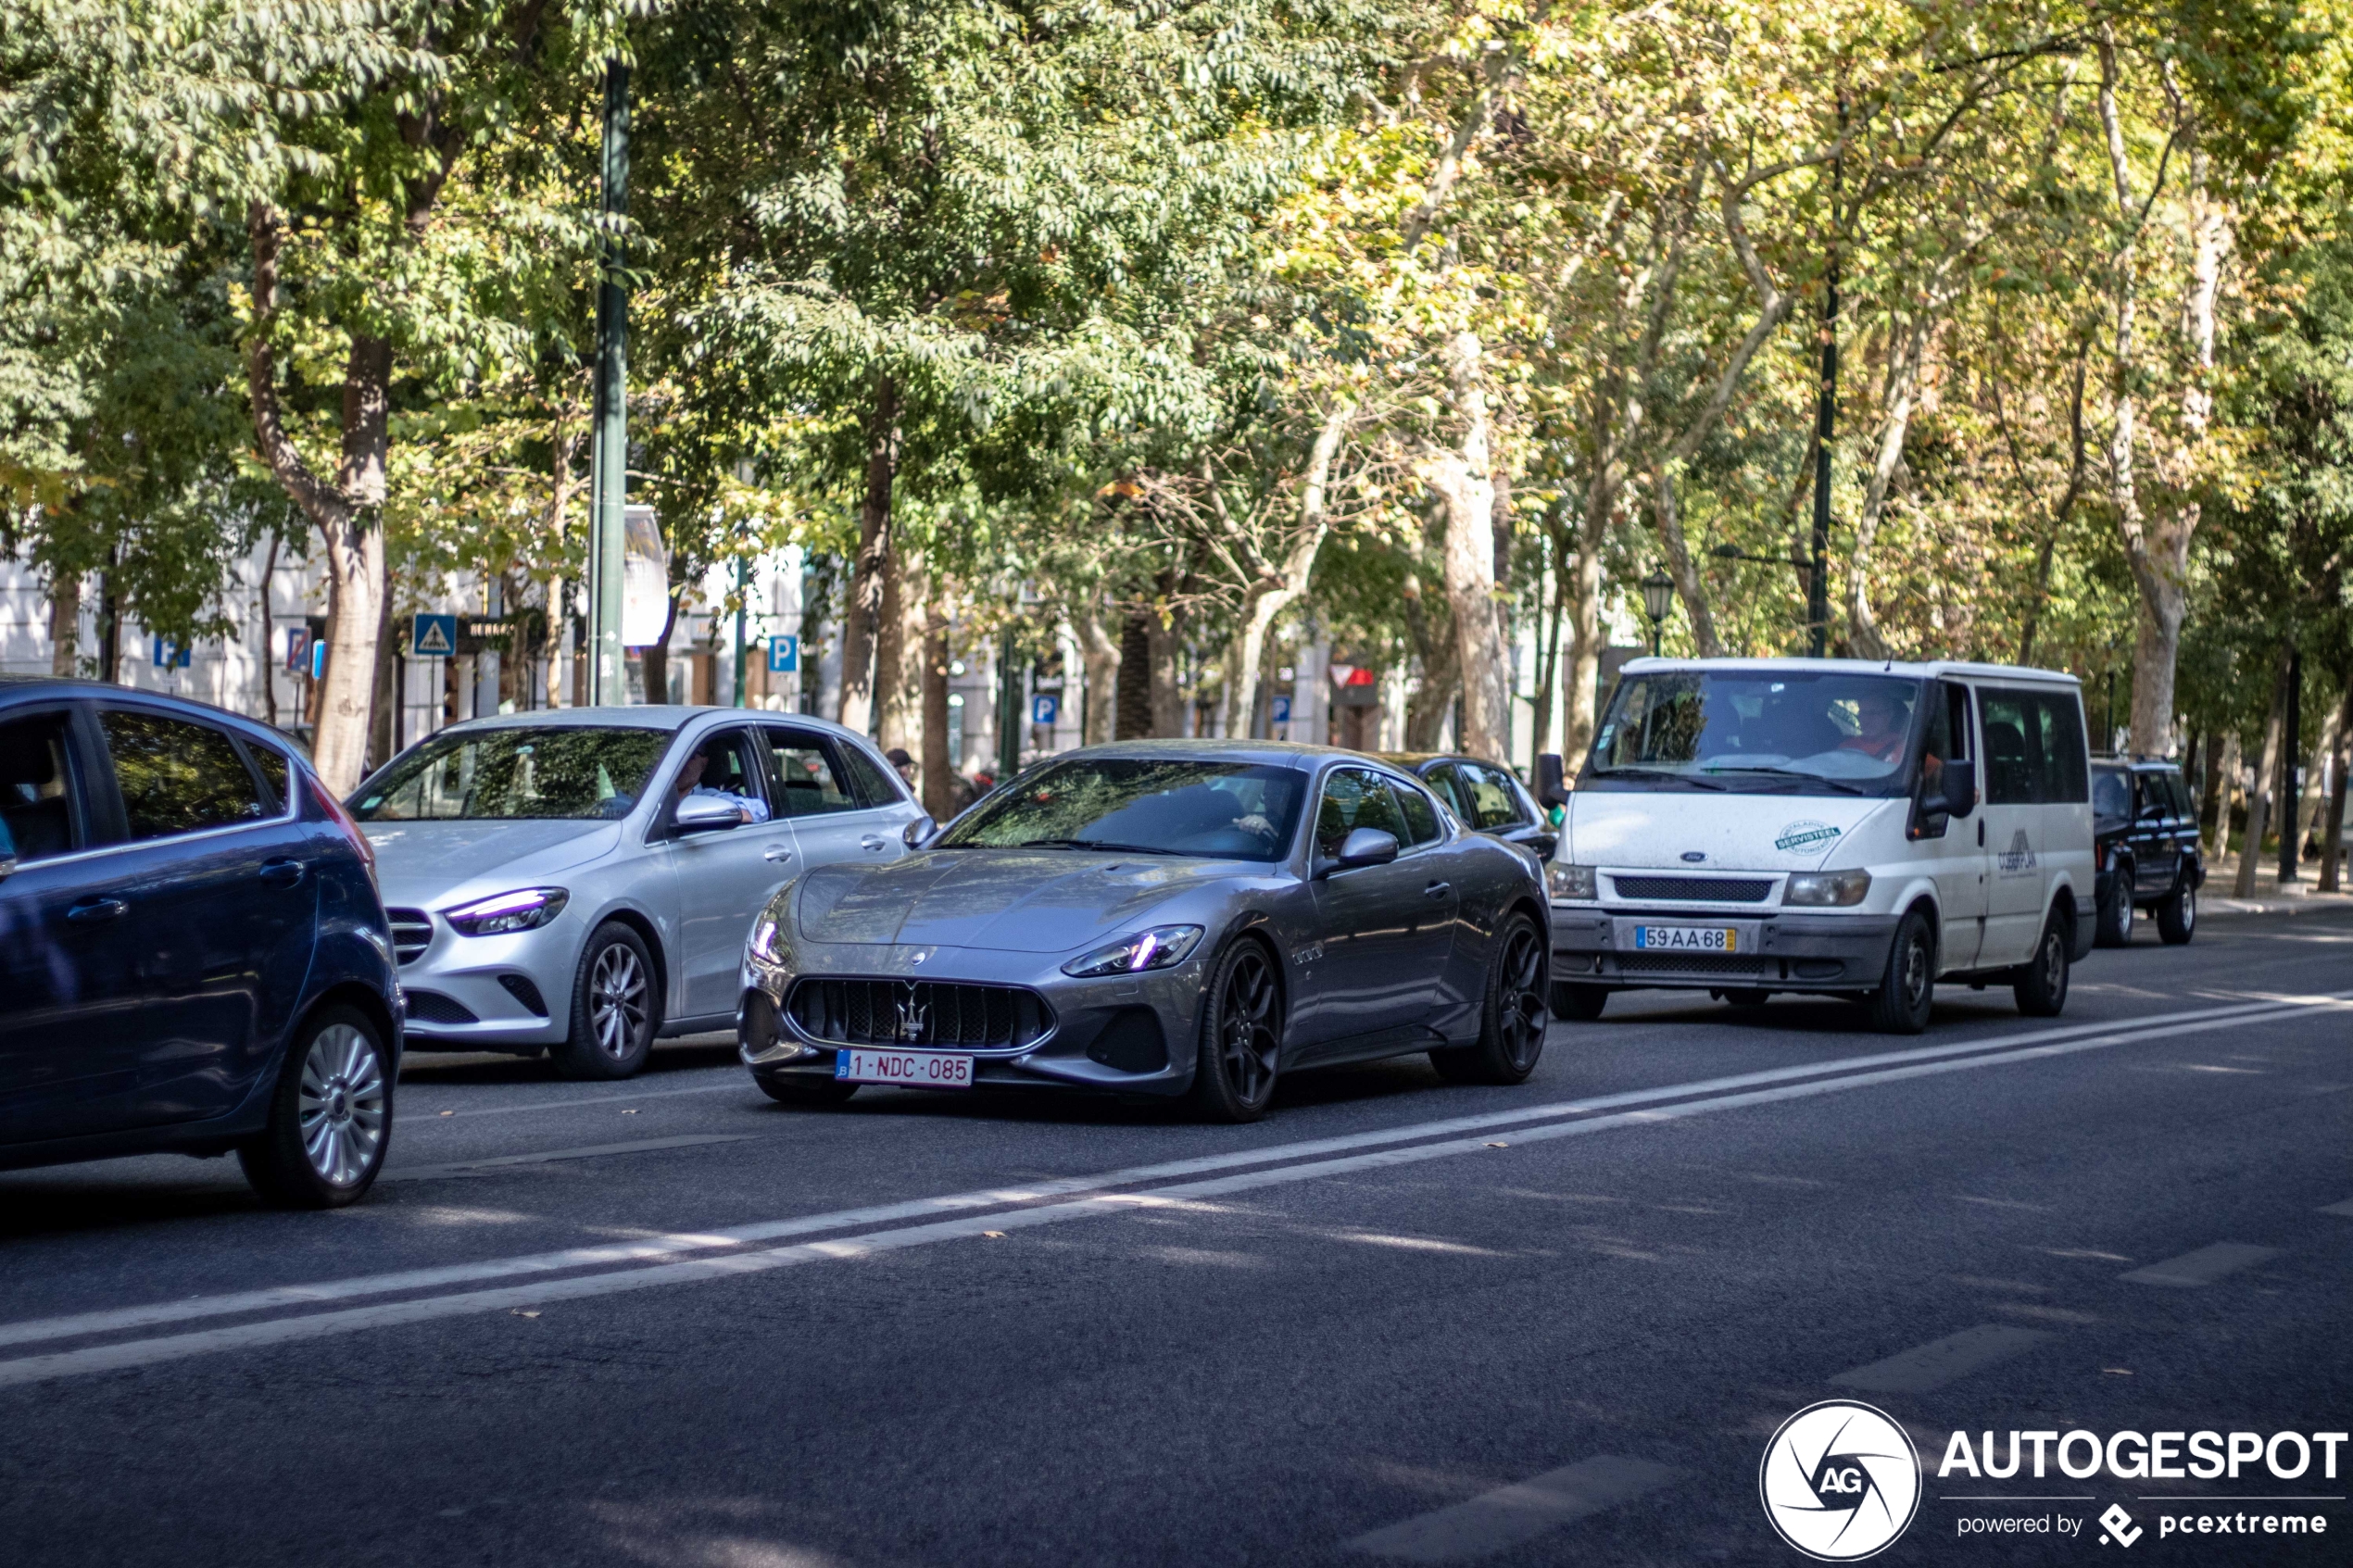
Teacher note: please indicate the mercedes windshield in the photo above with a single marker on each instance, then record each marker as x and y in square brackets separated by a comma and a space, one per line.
[568, 771]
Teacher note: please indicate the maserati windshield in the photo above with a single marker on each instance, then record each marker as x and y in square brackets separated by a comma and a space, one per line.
[510, 774]
[1758, 732]
[1147, 804]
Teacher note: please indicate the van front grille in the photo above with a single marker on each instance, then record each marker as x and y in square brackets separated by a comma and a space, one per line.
[1694, 889]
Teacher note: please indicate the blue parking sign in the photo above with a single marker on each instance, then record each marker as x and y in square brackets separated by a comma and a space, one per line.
[1281, 714]
[1045, 707]
[170, 655]
[784, 655]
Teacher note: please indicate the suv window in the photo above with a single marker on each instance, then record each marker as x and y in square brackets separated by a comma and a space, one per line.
[1493, 798]
[807, 784]
[178, 776]
[1355, 799]
[2177, 792]
[36, 804]
[1420, 814]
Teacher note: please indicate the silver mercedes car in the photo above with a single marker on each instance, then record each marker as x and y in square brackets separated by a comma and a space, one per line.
[1158, 918]
[580, 881]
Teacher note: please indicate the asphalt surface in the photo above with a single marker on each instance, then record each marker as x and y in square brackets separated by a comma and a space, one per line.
[666, 1322]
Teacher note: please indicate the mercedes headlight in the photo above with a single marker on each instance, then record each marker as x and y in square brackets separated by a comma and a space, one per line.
[1826, 889]
[526, 908]
[1161, 948]
[1563, 881]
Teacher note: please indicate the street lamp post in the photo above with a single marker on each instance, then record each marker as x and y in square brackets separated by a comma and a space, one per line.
[1658, 597]
[609, 444]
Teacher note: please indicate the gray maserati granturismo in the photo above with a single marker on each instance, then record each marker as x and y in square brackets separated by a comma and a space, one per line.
[1161, 918]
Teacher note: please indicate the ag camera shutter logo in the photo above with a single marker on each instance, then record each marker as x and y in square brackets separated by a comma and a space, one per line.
[1840, 1481]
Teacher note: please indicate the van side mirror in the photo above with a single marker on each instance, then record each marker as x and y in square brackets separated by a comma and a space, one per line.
[1552, 787]
[1959, 791]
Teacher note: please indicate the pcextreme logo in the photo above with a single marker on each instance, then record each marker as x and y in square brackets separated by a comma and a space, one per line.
[1840, 1481]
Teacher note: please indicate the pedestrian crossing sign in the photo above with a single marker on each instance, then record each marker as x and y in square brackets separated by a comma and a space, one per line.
[433, 636]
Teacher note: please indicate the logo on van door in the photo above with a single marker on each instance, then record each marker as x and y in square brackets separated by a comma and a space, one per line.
[2018, 858]
[1804, 835]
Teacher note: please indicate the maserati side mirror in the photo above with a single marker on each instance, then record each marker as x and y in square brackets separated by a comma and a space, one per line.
[1365, 846]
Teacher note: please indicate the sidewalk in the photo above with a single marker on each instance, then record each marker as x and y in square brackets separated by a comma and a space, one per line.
[2271, 898]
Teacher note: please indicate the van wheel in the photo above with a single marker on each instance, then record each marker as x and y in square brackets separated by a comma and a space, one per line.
[2115, 926]
[615, 1008]
[1579, 1004]
[2177, 916]
[1908, 991]
[330, 1116]
[2041, 987]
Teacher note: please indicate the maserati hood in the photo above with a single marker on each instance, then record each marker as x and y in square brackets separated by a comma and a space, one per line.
[1773, 833]
[1003, 901]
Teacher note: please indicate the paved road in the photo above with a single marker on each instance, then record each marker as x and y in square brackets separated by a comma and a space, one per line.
[668, 1322]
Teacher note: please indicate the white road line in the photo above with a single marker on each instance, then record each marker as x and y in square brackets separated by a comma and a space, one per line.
[2345, 1209]
[736, 1083]
[1508, 1515]
[2202, 1267]
[647, 1250]
[501, 1161]
[31, 1369]
[1940, 1361]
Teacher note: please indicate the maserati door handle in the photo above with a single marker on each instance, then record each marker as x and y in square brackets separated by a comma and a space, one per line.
[778, 852]
[90, 910]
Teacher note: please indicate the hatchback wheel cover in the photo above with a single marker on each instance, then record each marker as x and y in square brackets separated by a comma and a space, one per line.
[342, 1104]
[617, 1001]
[1246, 1035]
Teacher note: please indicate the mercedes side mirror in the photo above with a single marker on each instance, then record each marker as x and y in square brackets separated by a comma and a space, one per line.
[704, 813]
[1365, 846]
[1551, 785]
[1959, 789]
[918, 833]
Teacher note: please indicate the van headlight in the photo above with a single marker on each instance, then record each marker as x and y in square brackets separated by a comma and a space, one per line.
[1827, 889]
[1563, 881]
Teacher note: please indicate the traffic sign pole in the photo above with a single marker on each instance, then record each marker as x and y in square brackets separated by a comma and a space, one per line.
[743, 603]
[609, 455]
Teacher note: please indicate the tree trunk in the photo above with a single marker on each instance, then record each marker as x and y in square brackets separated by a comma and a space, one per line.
[1167, 641]
[2317, 777]
[2332, 836]
[1862, 627]
[1134, 716]
[654, 662]
[863, 616]
[1580, 702]
[938, 772]
[1552, 583]
[268, 634]
[2232, 766]
[558, 629]
[1428, 709]
[64, 623]
[1293, 573]
[1098, 657]
[898, 652]
[348, 513]
[384, 719]
[1688, 586]
[1465, 480]
[2267, 770]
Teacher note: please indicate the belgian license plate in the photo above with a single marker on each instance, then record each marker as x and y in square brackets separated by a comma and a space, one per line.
[1686, 938]
[917, 1070]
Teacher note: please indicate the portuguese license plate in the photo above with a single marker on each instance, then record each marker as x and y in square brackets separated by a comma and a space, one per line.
[1686, 939]
[917, 1070]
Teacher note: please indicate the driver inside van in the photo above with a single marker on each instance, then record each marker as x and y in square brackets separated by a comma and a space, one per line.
[1882, 724]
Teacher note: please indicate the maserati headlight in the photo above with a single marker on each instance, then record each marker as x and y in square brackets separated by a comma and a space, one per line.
[526, 908]
[764, 939]
[1563, 881]
[1827, 889]
[1161, 948]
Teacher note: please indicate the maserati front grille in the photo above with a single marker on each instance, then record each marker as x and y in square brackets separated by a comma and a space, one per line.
[933, 1014]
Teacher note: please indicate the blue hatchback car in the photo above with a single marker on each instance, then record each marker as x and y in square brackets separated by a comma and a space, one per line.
[192, 956]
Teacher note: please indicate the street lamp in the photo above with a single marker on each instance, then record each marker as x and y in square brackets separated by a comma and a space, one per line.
[1658, 596]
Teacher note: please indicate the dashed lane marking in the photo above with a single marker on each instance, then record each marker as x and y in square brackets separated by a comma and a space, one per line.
[1940, 1361]
[1482, 1525]
[2202, 1267]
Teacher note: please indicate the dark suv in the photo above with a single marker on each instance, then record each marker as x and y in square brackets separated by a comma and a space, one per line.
[192, 956]
[2146, 840]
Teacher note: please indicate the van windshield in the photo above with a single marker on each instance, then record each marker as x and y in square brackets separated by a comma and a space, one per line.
[1765, 732]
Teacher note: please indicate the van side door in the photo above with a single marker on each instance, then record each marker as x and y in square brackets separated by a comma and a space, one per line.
[2037, 808]
[1952, 846]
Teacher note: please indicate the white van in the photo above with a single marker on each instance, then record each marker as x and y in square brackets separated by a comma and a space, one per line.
[1744, 826]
